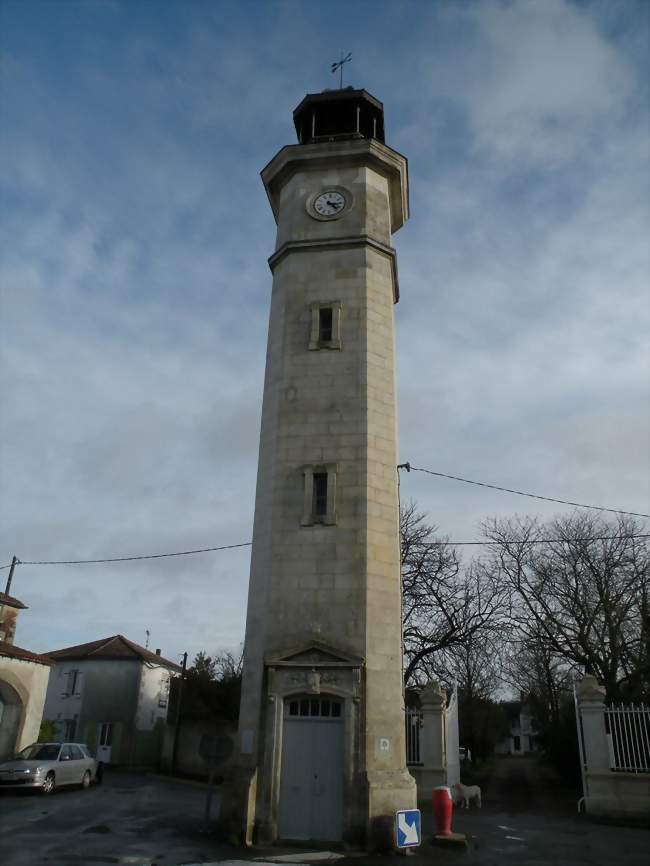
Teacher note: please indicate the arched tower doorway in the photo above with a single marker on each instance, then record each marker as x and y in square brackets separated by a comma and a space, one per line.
[11, 714]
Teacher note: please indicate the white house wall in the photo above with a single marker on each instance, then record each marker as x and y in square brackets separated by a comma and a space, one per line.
[108, 692]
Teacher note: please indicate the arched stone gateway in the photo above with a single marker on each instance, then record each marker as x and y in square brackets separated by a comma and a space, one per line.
[11, 719]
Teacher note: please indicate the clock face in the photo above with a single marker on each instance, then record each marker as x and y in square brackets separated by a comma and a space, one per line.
[330, 203]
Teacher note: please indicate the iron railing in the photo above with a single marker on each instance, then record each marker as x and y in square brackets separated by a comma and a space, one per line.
[413, 728]
[628, 737]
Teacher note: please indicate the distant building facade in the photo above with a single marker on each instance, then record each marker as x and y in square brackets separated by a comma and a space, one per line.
[23, 683]
[523, 737]
[113, 695]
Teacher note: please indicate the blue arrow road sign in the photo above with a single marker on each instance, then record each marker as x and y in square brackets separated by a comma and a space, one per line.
[407, 828]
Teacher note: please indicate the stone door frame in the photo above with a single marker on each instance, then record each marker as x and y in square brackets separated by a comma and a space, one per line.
[300, 671]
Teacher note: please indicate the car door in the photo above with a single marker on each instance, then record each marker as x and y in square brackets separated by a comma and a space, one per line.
[79, 764]
[65, 768]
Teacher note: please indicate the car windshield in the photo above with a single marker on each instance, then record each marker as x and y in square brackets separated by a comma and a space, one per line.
[39, 752]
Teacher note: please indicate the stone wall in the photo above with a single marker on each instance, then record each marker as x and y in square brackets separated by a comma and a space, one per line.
[23, 685]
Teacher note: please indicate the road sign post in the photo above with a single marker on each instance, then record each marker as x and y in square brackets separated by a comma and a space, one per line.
[408, 828]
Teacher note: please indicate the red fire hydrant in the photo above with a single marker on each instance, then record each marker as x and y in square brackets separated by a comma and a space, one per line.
[442, 810]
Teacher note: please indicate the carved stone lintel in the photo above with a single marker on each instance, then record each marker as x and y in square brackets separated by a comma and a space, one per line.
[313, 682]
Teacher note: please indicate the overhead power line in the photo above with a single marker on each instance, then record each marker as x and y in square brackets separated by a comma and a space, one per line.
[532, 541]
[410, 468]
[249, 543]
[127, 558]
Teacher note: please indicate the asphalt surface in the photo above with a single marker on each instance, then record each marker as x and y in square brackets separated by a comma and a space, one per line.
[528, 819]
[130, 819]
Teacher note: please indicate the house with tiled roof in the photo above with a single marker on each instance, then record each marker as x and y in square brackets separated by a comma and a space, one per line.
[23, 682]
[113, 695]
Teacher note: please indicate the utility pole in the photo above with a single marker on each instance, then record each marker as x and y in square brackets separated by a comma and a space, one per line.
[177, 723]
[14, 562]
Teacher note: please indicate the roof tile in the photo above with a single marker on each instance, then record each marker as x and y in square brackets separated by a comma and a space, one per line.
[10, 650]
[115, 647]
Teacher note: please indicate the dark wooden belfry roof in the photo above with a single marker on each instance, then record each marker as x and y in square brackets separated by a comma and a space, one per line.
[115, 647]
[334, 115]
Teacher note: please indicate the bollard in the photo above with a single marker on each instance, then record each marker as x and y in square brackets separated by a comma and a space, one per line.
[442, 810]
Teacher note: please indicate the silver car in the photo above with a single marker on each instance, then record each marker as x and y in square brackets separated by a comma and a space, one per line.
[49, 765]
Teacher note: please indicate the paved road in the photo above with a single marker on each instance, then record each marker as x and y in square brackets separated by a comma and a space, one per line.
[529, 818]
[130, 819]
[526, 785]
[141, 821]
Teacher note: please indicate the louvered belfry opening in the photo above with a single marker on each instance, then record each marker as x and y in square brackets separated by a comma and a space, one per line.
[335, 115]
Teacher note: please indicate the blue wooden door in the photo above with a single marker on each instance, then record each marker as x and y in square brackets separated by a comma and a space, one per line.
[311, 778]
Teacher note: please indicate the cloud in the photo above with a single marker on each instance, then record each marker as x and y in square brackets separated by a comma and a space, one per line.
[541, 81]
[135, 288]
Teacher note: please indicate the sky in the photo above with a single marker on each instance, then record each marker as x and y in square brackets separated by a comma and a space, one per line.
[135, 290]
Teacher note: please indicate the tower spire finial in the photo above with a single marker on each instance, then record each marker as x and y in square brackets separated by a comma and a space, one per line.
[339, 65]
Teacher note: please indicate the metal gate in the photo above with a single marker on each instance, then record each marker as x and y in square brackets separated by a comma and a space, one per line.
[628, 737]
[311, 777]
[413, 727]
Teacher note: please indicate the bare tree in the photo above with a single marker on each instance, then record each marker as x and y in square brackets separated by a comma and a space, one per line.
[475, 664]
[534, 669]
[580, 587]
[444, 604]
[228, 665]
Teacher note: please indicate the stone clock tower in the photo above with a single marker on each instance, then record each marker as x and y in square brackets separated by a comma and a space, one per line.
[321, 753]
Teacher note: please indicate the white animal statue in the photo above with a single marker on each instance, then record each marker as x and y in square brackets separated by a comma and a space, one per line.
[464, 794]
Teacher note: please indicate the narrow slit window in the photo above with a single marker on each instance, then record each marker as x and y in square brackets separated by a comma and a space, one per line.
[320, 494]
[319, 499]
[325, 323]
[325, 332]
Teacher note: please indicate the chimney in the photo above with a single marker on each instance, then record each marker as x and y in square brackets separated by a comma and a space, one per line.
[157, 652]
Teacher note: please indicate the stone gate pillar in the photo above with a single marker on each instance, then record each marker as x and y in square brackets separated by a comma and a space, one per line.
[591, 699]
[432, 740]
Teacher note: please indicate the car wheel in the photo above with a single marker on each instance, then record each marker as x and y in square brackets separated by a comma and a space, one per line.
[85, 782]
[49, 783]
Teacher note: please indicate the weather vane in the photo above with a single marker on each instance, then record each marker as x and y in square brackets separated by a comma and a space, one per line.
[339, 65]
